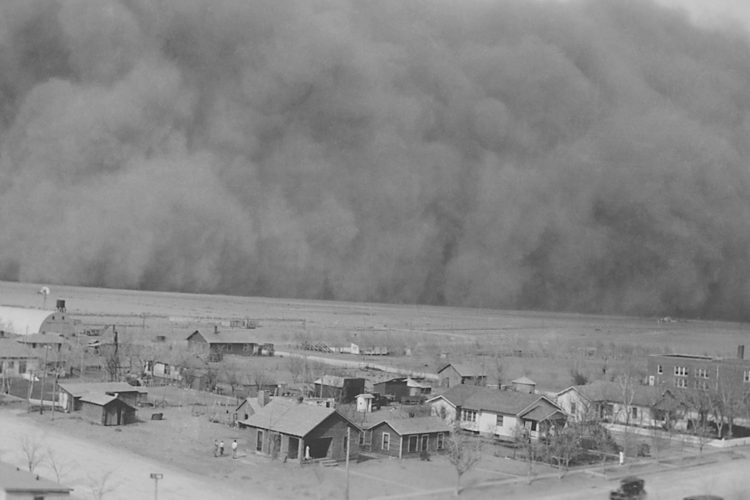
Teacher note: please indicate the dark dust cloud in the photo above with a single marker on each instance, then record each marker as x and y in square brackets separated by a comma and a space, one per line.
[582, 156]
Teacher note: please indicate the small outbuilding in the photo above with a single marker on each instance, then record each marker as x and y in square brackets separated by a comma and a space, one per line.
[342, 389]
[107, 410]
[364, 403]
[71, 394]
[454, 374]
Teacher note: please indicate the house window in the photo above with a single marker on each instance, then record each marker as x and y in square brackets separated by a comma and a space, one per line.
[680, 382]
[746, 377]
[440, 441]
[573, 408]
[386, 444]
[259, 441]
[346, 444]
[413, 441]
[22, 366]
[659, 369]
[533, 426]
[634, 412]
[701, 372]
[11, 364]
[469, 415]
[499, 422]
[701, 384]
[680, 371]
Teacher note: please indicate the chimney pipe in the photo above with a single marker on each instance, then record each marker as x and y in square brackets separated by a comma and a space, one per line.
[741, 351]
[216, 329]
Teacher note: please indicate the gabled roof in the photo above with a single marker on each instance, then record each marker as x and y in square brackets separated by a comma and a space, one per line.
[466, 369]
[21, 320]
[14, 480]
[81, 389]
[612, 392]
[234, 336]
[290, 417]
[416, 425]
[103, 399]
[494, 400]
[457, 394]
[523, 380]
[410, 382]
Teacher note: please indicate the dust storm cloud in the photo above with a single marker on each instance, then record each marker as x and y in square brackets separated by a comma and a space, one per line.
[582, 156]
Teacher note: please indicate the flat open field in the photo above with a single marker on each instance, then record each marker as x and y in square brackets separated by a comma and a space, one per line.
[524, 341]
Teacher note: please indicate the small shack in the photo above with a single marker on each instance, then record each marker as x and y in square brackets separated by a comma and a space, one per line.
[107, 410]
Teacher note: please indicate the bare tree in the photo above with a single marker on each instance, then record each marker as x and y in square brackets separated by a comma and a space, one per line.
[33, 453]
[463, 453]
[101, 485]
[59, 467]
[296, 367]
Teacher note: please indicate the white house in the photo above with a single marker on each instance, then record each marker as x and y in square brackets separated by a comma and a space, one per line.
[499, 413]
[633, 404]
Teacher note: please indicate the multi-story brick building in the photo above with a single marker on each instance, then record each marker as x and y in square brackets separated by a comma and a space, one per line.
[687, 371]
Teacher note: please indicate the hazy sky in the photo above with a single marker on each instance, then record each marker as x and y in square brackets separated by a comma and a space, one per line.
[586, 155]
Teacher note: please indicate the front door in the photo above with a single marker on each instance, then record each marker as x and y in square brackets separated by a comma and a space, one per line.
[425, 442]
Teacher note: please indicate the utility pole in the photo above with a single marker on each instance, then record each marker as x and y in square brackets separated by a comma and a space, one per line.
[348, 447]
[44, 380]
[156, 476]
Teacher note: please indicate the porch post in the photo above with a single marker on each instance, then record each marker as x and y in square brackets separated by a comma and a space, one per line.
[301, 449]
[400, 446]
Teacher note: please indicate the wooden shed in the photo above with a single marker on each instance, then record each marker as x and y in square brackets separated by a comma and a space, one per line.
[107, 410]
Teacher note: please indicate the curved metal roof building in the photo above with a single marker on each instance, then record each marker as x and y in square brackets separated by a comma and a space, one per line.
[24, 321]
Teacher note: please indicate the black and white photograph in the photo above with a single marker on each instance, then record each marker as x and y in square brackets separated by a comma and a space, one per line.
[374, 250]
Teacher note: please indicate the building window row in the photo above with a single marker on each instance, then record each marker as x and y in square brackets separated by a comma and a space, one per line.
[681, 371]
[680, 382]
[701, 372]
[469, 415]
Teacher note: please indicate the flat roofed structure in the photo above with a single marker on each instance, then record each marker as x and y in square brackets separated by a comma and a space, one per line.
[17, 483]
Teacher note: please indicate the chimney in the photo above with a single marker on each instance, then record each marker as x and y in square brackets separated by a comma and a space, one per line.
[216, 329]
[262, 398]
[741, 351]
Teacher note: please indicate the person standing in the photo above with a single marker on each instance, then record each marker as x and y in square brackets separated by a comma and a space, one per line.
[216, 448]
[221, 448]
[234, 449]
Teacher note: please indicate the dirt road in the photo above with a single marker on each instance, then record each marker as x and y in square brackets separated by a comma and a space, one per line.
[87, 464]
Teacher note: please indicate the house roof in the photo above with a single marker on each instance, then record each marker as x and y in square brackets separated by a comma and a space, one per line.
[15, 480]
[508, 402]
[416, 425]
[21, 320]
[103, 400]
[289, 417]
[541, 412]
[457, 395]
[523, 380]
[78, 390]
[235, 336]
[10, 349]
[410, 382]
[334, 380]
[466, 369]
[603, 390]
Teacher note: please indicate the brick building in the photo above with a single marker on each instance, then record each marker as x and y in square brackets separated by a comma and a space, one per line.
[685, 371]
